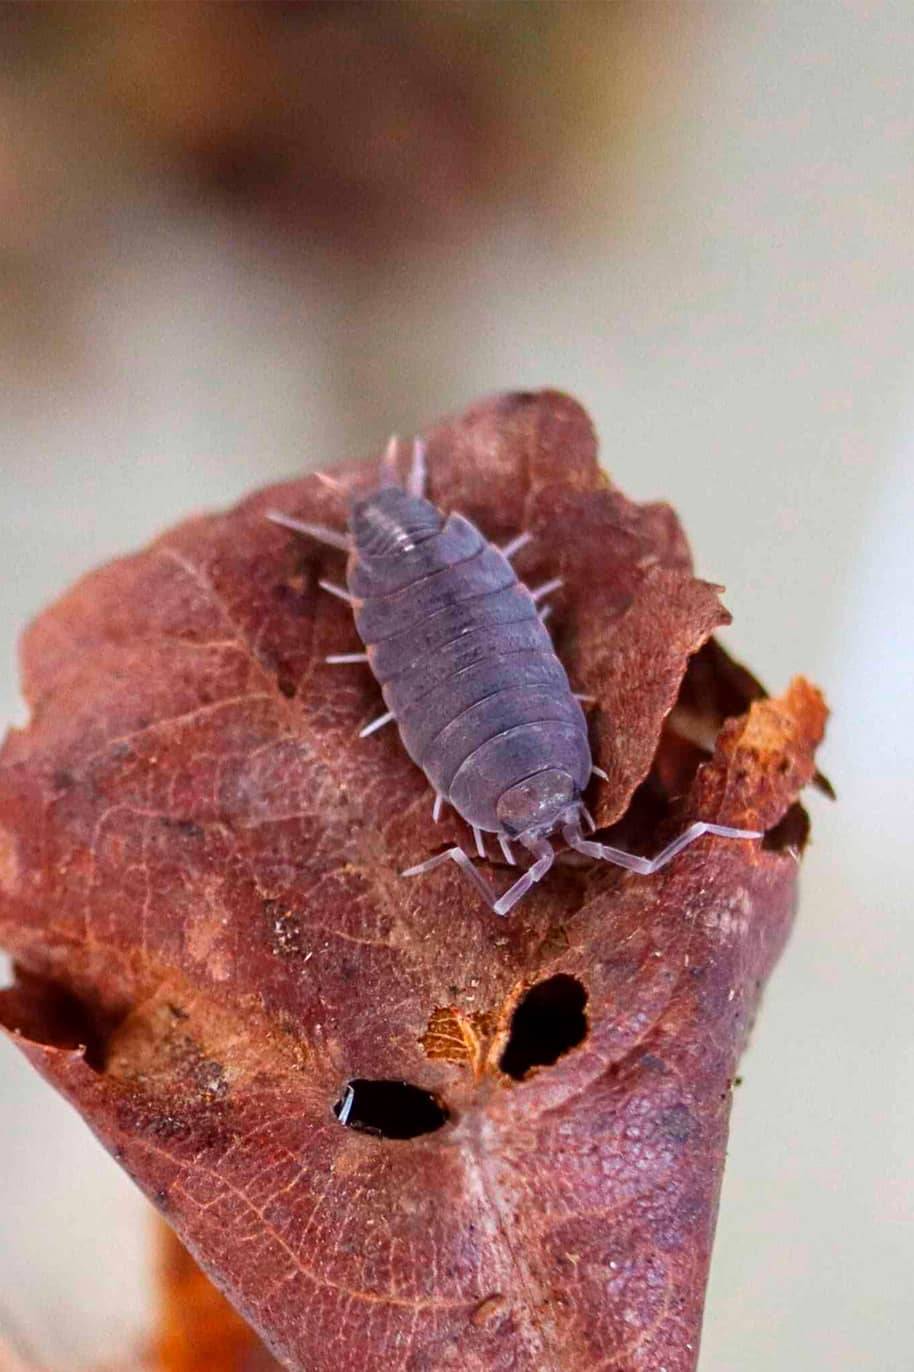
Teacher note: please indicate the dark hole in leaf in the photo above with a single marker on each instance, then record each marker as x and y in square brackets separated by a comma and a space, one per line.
[548, 1022]
[390, 1109]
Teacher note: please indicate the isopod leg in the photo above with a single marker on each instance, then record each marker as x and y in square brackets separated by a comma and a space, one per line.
[331, 537]
[376, 724]
[506, 849]
[339, 591]
[547, 588]
[463, 862]
[516, 544]
[480, 845]
[544, 860]
[646, 867]
[331, 483]
[437, 807]
[339, 659]
[418, 471]
[502, 905]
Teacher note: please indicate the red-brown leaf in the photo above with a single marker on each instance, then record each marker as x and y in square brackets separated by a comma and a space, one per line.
[199, 880]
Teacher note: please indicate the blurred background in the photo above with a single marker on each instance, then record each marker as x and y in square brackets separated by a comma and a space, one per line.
[237, 241]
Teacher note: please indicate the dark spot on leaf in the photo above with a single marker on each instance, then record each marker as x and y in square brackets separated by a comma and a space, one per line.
[389, 1109]
[651, 1063]
[169, 1127]
[791, 834]
[677, 1123]
[287, 683]
[188, 828]
[289, 593]
[209, 1078]
[548, 1022]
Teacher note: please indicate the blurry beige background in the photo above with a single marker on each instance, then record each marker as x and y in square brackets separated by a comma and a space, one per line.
[240, 241]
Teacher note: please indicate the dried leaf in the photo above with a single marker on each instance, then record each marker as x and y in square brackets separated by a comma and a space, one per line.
[199, 867]
[454, 1037]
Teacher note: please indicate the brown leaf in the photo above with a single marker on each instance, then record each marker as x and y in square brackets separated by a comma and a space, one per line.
[199, 867]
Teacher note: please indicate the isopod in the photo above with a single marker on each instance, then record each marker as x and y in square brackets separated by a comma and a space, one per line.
[469, 674]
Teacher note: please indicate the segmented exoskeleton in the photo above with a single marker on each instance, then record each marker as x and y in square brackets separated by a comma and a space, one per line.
[469, 674]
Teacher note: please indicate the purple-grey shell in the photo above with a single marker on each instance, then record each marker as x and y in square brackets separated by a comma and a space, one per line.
[465, 664]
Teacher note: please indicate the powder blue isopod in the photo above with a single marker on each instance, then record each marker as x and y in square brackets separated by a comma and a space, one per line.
[469, 675]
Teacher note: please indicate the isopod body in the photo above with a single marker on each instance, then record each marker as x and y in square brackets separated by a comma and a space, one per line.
[466, 665]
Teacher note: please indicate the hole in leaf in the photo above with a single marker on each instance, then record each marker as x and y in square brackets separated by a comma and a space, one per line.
[548, 1022]
[389, 1109]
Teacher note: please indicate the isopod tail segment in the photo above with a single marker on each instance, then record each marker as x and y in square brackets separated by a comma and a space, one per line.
[388, 476]
[544, 856]
[415, 482]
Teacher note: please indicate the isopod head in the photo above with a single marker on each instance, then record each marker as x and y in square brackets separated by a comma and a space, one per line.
[539, 803]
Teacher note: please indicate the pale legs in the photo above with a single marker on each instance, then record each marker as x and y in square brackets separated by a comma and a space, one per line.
[502, 905]
[646, 867]
[545, 856]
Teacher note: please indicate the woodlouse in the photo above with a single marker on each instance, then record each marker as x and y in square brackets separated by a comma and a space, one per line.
[469, 675]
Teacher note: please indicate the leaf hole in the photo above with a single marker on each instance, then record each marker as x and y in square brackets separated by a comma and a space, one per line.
[548, 1022]
[389, 1109]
